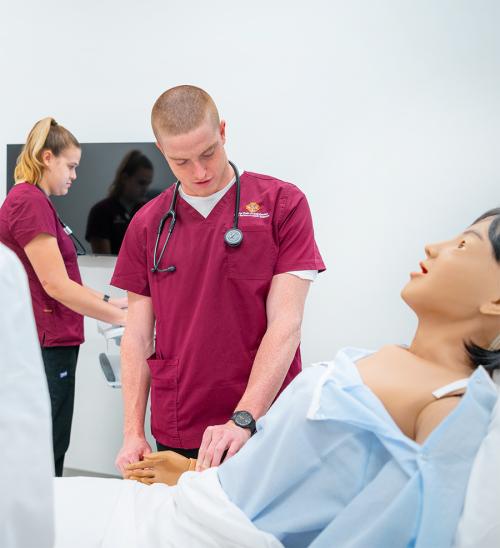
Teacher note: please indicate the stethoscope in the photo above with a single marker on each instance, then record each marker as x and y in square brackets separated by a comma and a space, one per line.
[80, 250]
[232, 238]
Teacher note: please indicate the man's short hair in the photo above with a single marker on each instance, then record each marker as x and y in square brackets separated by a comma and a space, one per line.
[182, 109]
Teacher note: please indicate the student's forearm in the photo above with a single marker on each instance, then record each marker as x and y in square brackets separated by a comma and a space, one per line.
[270, 367]
[100, 296]
[135, 382]
[81, 300]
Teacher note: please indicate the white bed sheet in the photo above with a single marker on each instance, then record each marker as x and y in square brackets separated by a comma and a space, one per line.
[106, 513]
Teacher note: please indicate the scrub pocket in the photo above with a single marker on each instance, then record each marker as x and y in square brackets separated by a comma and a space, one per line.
[47, 319]
[164, 397]
[254, 259]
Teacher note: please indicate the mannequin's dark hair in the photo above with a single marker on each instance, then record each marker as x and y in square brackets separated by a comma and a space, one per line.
[489, 359]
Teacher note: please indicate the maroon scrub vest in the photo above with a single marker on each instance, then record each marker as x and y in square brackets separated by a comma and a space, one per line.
[211, 312]
[25, 213]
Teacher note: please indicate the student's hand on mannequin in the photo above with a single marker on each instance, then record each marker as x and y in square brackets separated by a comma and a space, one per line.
[218, 439]
[134, 448]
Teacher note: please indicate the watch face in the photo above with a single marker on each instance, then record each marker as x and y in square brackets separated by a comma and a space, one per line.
[243, 418]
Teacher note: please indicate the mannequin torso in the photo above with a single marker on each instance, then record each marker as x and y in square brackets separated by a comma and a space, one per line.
[404, 384]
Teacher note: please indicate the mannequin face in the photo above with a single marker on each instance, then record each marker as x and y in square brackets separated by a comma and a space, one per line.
[458, 280]
[60, 171]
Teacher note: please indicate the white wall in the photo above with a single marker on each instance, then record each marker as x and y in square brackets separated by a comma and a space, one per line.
[98, 419]
[386, 113]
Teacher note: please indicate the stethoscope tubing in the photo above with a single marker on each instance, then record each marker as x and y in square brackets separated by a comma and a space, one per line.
[80, 249]
[173, 219]
[170, 213]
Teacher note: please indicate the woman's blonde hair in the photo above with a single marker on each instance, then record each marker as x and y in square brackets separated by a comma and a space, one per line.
[46, 134]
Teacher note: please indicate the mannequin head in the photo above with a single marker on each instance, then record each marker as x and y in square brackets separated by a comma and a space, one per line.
[458, 286]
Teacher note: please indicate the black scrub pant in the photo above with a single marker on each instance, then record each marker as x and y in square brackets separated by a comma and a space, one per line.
[189, 453]
[60, 368]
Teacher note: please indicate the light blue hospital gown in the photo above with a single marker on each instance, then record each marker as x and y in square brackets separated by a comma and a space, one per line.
[346, 476]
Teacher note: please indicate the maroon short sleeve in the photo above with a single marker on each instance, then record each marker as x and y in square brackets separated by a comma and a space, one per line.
[29, 218]
[131, 270]
[297, 247]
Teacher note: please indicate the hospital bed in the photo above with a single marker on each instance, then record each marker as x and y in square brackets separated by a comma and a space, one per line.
[479, 525]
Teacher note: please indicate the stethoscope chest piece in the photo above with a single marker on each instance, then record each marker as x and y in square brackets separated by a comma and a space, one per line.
[233, 237]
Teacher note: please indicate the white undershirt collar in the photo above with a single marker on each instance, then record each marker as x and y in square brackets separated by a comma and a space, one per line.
[205, 204]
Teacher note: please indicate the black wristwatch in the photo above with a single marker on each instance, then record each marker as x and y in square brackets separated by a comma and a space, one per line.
[244, 419]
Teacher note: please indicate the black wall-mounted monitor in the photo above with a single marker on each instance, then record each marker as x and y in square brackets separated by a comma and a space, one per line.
[97, 171]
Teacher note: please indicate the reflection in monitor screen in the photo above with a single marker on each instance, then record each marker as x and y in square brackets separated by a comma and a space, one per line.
[114, 180]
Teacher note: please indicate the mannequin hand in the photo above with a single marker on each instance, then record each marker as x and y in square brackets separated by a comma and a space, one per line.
[134, 448]
[162, 467]
[218, 439]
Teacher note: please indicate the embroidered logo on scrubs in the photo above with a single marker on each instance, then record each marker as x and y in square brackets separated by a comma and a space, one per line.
[252, 207]
[253, 210]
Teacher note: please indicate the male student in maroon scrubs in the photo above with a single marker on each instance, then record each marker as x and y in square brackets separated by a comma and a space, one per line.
[228, 318]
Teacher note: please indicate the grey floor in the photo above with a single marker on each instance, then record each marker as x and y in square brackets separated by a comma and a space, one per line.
[71, 472]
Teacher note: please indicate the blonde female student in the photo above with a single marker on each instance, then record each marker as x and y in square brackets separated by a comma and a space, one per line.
[30, 226]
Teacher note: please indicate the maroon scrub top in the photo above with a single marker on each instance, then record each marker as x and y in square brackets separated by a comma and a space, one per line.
[25, 213]
[211, 312]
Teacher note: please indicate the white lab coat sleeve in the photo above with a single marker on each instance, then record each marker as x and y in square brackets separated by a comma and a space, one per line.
[26, 500]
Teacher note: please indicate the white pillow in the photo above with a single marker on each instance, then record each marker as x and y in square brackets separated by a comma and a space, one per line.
[479, 526]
